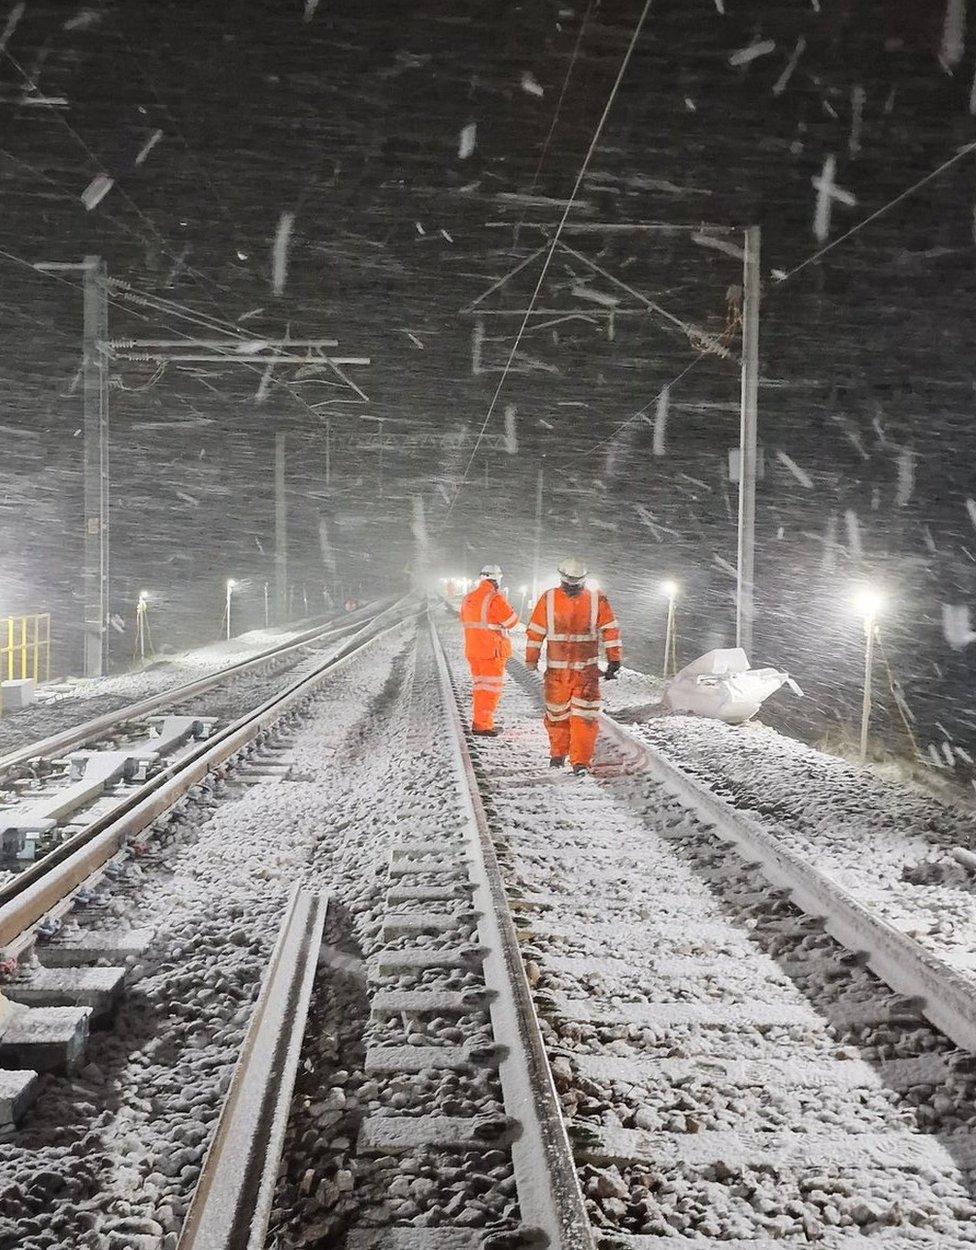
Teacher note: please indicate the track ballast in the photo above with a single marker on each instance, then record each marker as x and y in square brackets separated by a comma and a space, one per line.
[728, 1074]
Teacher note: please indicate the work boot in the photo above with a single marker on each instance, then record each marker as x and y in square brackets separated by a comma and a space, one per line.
[580, 770]
[557, 761]
[485, 733]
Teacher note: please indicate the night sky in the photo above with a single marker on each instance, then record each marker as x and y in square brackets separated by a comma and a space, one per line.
[415, 147]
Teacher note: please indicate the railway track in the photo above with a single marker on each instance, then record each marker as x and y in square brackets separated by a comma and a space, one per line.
[546, 1010]
[52, 991]
[126, 716]
[60, 792]
[729, 1071]
[444, 1121]
[888, 867]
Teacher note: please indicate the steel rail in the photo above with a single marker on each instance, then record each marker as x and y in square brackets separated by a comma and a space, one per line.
[549, 1194]
[30, 896]
[68, 739]
[947, 997]
[232, 1201]
[36, 870]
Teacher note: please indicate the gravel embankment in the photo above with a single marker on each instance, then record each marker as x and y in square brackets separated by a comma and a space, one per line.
[885, 841]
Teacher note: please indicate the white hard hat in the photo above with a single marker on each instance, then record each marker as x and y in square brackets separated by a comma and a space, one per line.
[492, 571]
[572, 569]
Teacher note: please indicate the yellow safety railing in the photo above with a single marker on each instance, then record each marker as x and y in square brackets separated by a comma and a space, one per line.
[25, 647]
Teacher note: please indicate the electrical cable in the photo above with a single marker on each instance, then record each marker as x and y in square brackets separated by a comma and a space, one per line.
[642, 411]
[93, 156]
[172, 308]
[552, 249]
[223, 325]
[559, 104]
[732, 322]
[137, 60]
[782, 278]
[78, 286]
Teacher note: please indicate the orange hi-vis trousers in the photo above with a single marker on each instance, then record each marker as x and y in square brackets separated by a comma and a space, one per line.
[487, 679]
[572, 627]
[572, 711]
[486, 617]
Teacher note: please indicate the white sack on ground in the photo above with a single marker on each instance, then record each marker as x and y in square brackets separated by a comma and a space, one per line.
[722, 686]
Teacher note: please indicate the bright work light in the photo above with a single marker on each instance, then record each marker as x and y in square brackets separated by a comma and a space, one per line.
[869, 603]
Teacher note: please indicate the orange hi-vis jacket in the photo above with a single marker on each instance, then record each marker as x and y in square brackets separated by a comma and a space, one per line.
[487, 616]
[572, 630]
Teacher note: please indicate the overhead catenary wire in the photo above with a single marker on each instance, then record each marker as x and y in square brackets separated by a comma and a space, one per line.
[110, 217]
[200, 278]
[78, 286]
[650, 403]
[734, 320]
[116, 221]
[782, 277]
[199, 319]
[168, 307]
[127, 292]
[290, 387]
[639, 26]
[171, 307]
[201, 165]
[559, 104]
[175, 308]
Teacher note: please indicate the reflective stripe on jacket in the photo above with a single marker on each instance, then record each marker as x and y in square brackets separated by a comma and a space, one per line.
[487, 617]
[572, 630]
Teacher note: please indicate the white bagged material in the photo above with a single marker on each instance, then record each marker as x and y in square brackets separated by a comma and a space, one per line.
[722, 686]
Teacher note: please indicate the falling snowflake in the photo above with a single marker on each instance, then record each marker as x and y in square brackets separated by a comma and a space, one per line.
[511, 436]
[953, 34]
[661, 421]
[779, 86]
[466, 141]
[279, 259]
[97, 190]
[801, 475]
[148, 146]
[827, 194]
[744, 55]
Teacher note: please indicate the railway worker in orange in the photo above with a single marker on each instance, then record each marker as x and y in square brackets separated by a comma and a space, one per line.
[487, 616]
[572, 620]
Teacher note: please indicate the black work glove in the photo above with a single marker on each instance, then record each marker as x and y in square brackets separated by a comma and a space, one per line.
[613, 668]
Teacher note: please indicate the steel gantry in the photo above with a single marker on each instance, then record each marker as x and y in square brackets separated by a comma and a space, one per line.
[602, 311]
[98, 352]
